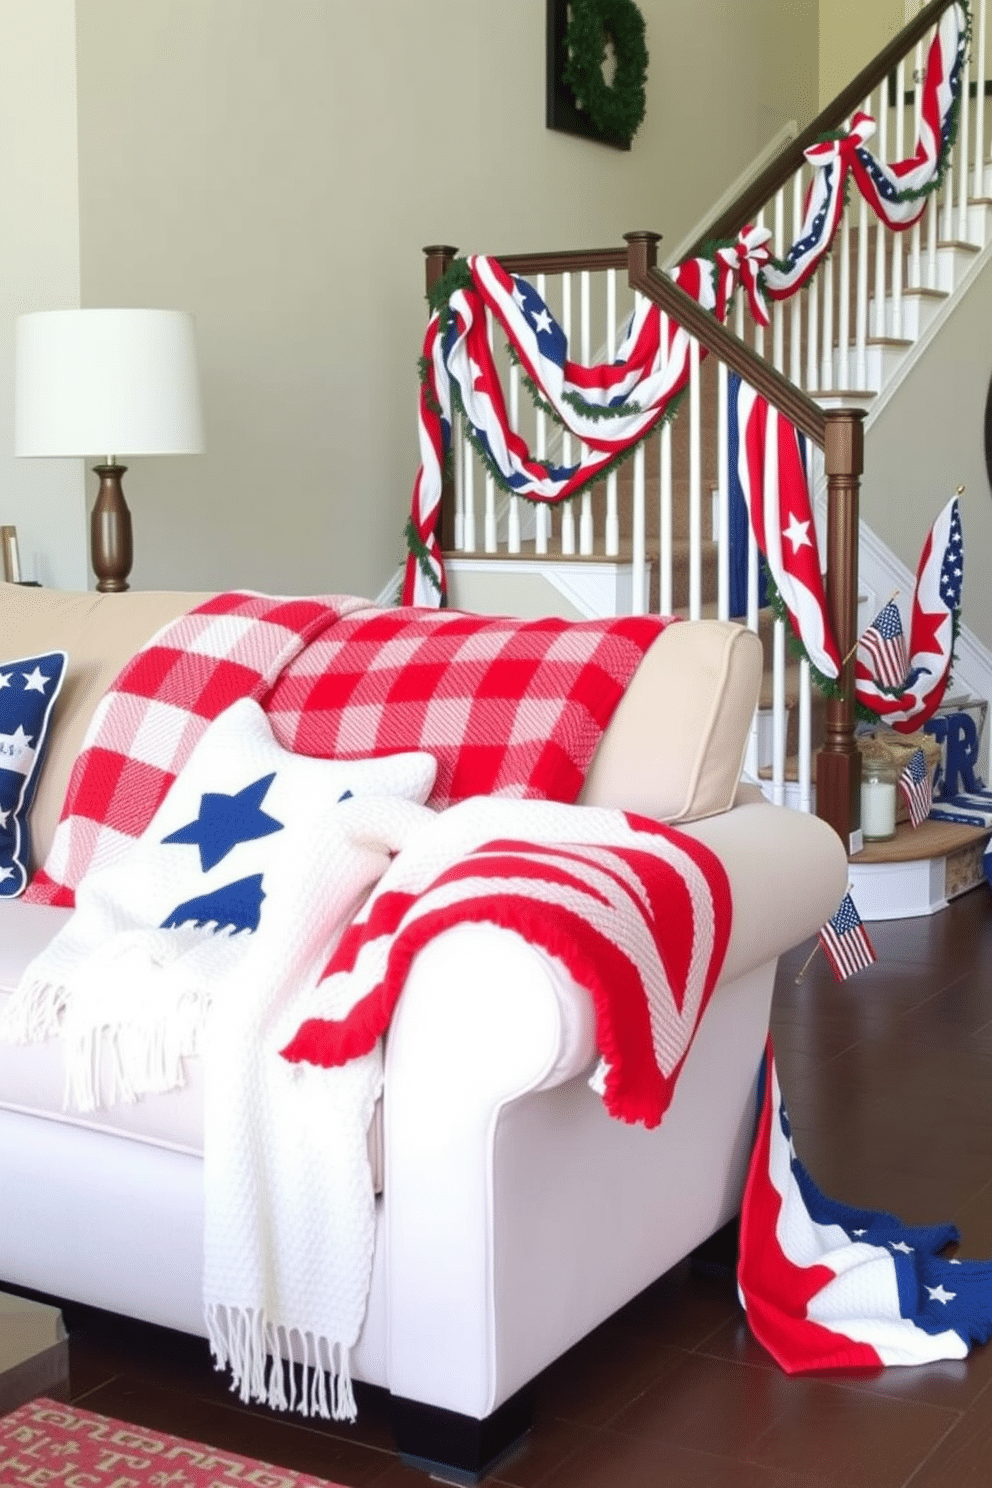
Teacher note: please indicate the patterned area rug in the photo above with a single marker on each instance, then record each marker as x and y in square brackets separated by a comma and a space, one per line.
[56, 1445]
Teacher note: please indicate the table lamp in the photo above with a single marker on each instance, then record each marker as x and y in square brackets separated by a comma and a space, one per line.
[89, 381]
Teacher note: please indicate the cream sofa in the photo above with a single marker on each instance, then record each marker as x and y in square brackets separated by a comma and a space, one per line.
[514, 1214]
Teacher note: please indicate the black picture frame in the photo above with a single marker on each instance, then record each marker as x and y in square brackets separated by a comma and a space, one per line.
[563, 112]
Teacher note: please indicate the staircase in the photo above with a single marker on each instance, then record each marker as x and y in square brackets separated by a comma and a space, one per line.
[655, 537]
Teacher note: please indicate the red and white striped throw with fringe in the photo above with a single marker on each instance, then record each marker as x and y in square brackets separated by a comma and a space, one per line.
[638, 913]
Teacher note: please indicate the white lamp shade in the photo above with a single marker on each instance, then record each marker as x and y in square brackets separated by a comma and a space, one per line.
[106, 382]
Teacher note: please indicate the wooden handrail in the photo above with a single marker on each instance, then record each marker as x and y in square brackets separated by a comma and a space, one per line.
[639, 258]
[761, 190]
[784, 395]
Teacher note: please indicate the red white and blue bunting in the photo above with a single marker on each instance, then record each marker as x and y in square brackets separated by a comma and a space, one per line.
[611, 407]
[771, 473]
[936, 607]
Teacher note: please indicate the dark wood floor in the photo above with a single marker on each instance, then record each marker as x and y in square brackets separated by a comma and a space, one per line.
[888, 1079]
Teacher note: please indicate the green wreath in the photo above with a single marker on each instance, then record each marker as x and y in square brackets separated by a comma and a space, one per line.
[616, 109]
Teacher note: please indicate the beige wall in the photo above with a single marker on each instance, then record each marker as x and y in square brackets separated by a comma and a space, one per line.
[851, 33]
[276, 168]
[39, 233]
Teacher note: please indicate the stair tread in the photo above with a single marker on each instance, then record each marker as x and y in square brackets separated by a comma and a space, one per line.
[959, 243]
[931, 839]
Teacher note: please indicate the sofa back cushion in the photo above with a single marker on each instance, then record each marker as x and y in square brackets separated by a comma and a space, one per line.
[673, 749]
[100, 632]
[675, 746]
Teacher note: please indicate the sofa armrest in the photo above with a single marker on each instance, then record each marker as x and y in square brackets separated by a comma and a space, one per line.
[481, 1023]
[485, 1024]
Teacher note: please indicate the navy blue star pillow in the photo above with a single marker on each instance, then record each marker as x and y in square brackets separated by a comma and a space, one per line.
[28, 689]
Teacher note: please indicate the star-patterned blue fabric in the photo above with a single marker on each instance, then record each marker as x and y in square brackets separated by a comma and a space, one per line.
[225, 821]
[28, 689]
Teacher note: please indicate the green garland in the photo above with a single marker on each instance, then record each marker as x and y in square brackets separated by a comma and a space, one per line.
[616, 109]
[419, 551]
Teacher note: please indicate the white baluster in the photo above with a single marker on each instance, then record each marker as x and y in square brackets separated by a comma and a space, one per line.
[844, 307]
[665, 559]
[639, 595]
[778, 713]
[759, 334]
[979, 174]
[805, 738]
[456, 445]
[947, 206]
[880, 326]
[751, 757]
[468, 478]
[513, 514]
[861, 316]
[491, 539]
[722, 533]
[612, 509]
[586, 544]
[542, 513]
[813, 334]
[567, 507]
[827, 344]
[915, 261]
[665, 522]
[695, 486]
[897, 245]
[961, 151]
[795, 301]
[931, 220]
[778, 310]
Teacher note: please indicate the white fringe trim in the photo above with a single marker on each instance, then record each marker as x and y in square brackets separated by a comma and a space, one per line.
[265, 1358]
[107, 1061]
[34, 1012]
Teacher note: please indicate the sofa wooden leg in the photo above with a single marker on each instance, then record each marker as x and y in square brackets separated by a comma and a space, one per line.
[460, 1449]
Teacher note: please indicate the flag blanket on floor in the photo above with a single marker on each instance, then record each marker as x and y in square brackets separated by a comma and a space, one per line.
[829, 1286]
[507, 707]
[638, 913]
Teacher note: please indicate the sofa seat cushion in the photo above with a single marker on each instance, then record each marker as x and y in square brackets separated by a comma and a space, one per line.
[31, 1075]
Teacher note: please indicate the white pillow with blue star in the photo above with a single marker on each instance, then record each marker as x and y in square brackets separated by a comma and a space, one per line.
[238, 813]
[28, 689]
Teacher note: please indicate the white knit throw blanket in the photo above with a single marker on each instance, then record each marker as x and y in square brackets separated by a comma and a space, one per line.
[200, 938]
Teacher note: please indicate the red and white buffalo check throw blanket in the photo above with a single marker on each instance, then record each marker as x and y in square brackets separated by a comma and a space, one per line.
[508, 707]
[152, 716]
[638, 913]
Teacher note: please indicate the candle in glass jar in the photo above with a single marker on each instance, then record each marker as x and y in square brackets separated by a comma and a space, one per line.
[878, 808]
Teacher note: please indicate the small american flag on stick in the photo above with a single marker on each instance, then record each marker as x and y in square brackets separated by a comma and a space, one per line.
[884, 648]
[917, 787]
[845, 941]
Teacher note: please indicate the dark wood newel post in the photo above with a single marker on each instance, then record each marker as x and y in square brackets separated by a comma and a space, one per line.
[642, 252]
[438, 259]
[838, 765]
